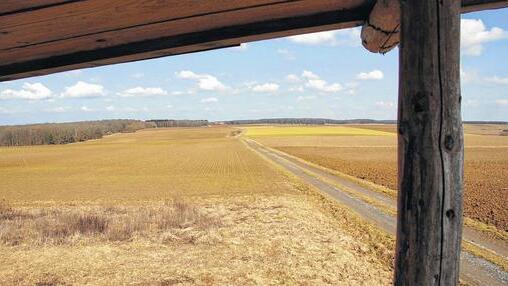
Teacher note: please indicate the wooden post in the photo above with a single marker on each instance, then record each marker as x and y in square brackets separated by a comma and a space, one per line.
[429, 222]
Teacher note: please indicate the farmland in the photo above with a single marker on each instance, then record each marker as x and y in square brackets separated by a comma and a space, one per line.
[372, 156]
[174, 206]
[147, 165]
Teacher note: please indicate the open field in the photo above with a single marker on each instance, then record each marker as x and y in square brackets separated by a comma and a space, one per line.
[174, 206]
[374, 158]
[280, 131]
[147, 165]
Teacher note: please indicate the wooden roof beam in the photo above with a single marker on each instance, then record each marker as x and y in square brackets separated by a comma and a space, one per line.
[381, 30]
[80, 44]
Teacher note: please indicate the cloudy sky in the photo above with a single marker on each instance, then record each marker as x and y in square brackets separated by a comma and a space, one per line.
[316, 75]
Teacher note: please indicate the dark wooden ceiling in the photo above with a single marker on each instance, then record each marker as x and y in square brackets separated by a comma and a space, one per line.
[40, 37]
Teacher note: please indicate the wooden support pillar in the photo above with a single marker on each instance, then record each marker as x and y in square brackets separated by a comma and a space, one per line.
[429, 222]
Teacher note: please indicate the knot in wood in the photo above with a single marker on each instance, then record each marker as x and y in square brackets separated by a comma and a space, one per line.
[450, 214]
[449, 142]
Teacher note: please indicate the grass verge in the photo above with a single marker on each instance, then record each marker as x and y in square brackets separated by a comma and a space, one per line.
[485, 254]
[478, 251]
[67, 225]
[379, 243]
[489, 230]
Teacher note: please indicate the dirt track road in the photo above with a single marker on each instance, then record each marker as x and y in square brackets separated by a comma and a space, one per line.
[474, 270]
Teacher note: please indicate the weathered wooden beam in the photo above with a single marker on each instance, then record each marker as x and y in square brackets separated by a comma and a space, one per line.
[381, 30]
[480, 5]
[8, 7]
[39, 37]
[430, 156]
[59, 59]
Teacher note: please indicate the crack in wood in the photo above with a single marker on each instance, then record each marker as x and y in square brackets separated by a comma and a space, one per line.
[441, 123]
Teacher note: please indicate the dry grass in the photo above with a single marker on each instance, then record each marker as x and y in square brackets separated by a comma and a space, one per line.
[104, 213]
[71, 224]
[374, 158]
[243, 240]
[486, 129]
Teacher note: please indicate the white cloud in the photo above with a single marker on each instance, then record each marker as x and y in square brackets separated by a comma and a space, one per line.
[473, 34]
[292, 78]
[242, 47]
[467, 76]
[309, 75]
[30, 91]
[322, 85]
[169, 106]
[502, 101]
[473, 77]
[372, 75]
[74, 73]
[86, 108]
[143, 92]
[58, 109]
[83, 90]
[296, 89]
[329, 38]
[205, 81]
[307, 97]
[497, 80]
[110, 108]
[209, 100]
[266, 87]
[286, 54]
[315, 82]
[385, 104]
[249, 84]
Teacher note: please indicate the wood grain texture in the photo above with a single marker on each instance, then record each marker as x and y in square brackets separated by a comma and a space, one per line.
[45, 36]
[178, 25]
[429, 222]
[218, 28]
[479, 5]
[22, 6]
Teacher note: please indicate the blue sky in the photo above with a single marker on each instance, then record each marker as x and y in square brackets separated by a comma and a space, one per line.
[318, 75]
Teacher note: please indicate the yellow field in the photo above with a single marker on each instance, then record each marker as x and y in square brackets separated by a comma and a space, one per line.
[287, 130]
[174, 206]
[146, 165]
[374, 158]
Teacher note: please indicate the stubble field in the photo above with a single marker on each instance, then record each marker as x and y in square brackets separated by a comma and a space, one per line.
[373, 156]
[174, 206]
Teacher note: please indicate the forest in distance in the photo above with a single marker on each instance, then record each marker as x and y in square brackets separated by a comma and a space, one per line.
[64, 133]
[71, 132]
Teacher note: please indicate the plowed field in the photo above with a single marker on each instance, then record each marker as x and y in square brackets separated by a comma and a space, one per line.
[374, 158]
[174, 207]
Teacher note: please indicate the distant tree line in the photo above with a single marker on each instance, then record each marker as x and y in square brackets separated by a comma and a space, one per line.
[486, 122]
[310, 121]
[63, 133]
[178, 123]
[321, 121]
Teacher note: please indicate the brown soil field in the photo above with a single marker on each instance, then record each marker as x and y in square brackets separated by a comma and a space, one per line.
[146, 165]
[174, 207]
[374, 158]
